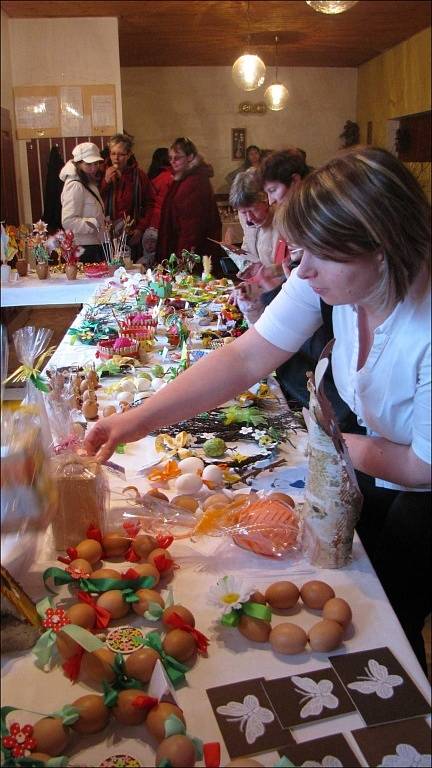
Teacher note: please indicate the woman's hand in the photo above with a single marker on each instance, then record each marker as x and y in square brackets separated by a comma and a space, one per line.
[110, 174]
[135, 237]
[106, 435]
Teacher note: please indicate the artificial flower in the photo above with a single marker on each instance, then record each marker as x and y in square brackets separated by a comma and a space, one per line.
[20, 740]
[229, 594]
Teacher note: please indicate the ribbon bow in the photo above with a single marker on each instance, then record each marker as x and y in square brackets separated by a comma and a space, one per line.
[43, 648]
[174, 669]
[176, 621]
[175, 727]
[255, 610]
[97, 585]
[27, 373]
[103, 616]
[122, 681]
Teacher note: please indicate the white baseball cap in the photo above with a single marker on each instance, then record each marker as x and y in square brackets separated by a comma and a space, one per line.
[87, 152]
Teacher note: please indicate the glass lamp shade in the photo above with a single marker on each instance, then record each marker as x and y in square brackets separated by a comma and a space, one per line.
[331, 6]
[248, 72]
[276, 97]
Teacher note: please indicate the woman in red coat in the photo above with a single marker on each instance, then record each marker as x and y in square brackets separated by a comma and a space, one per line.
[161, 176]
[189, 213]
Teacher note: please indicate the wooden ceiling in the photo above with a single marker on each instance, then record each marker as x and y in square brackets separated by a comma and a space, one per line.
[215, 32]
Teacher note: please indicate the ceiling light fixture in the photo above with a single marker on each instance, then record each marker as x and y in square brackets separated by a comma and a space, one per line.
[276, 96]
[249, 70]
[331, 6]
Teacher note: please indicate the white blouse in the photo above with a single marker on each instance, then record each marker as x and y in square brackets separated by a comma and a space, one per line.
[391, 393]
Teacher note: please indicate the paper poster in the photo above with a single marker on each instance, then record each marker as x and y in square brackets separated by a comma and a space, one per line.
[73, 120]
[37, 112]
[103, 111]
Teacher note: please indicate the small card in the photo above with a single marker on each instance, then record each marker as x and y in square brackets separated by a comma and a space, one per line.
[407, 742]
[328, 751]
[246, 719]
[379, 686]
[160, 685]
[305, 698]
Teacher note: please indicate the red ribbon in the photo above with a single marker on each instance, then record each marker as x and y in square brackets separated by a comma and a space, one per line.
[145, 702]
[164, 541]
[212, 754]
[176, 621]
[65, 560]
[93, 532]
[132, 529]
[131, 573]
[131, 555]
[72, 553]
[163, 563]
[71, 667]
[103, 616]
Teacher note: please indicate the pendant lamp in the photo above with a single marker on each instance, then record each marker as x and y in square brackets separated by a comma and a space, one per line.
[249, 70]
[331, 6]
[276, 96]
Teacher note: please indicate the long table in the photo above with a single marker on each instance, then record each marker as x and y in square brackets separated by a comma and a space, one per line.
[231, 658]
[57, 290]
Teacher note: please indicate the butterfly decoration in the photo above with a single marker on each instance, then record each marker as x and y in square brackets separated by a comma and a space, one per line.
[377, 680]
[319, 695]
[251, 715]
[406, 757]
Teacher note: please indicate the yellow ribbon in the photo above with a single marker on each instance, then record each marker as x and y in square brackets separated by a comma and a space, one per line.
[169, 445]
[26, 372]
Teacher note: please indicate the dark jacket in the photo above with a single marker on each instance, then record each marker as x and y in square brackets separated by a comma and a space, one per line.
[132, 195]
[52, 212]
[189, 214]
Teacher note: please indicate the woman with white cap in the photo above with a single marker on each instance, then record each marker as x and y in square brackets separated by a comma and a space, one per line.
[82, 207]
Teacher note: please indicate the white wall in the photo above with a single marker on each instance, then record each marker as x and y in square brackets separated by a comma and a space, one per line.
[161, 103]
[61, 52]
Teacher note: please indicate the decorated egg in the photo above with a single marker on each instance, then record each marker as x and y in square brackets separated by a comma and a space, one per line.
[188, 483]
[181, 611]
[140, 664]
[125, 397]
[66, 646]
[288, 638]
[338, 610]
[115, 544]
[179, 644]
[213, 474]
[51, 735]
[177, 751]
[143, 545]
[282, 595]
[90, 550]
[125, 710]
[90, 410]
[158, 715]
[82, 614]
[185, 502]
[112, 601]
[162, 560]
[80, 564]
[146, 596]
[147, 569]
[84, 386]
[325, 635]
[316, 593]
[109, 410]
[94, 714]
[254, 629]
[106, 573]
[142, 385]
[97, 666]
[191, 464]
[128, 385]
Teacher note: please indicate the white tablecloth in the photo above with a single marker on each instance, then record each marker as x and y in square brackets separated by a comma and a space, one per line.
[55, 291]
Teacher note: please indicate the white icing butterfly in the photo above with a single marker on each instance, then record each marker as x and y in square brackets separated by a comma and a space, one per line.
[406, 757]
[250, 714]
[377, 680]
[319, 694]
[329, 761]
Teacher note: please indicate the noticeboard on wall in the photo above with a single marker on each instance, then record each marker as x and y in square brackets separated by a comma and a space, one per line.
[47, 111]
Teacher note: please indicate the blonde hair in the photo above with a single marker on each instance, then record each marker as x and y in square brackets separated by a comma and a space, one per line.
[362, 203]
[247, 190]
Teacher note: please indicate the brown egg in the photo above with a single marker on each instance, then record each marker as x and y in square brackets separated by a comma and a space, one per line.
[87, 395]
[146, 596]
[82, 614]
[66, 646]
[325, 635]
[140, 664]
[159, 552]
[82, 565]
[183, 612]
[254, 629]
[316, 593]
[244, 762]
[179, 644]
[106, 573]
[158, 715]
[143, 545]
[178, 751]
[288, 638]
[112, 601]
[115, 544]
[282, 595]
[90, 550]
[97, 666]
[90, 410]
[282, 497]
[51, 735]
[94, 714]
[185, 502]
[109, 410]
[146, 569]
[157, 494]
[83, 386]
[257, 597]
[125, 712]
[216, 498]
[338, 610]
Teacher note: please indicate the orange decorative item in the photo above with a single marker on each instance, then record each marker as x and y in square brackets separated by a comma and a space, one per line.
[168, 472]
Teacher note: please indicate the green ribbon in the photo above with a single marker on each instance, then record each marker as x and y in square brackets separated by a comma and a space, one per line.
[39, 382]
[174, 669]
[122, 681]
[164, 763]
[283, 762]
[68, 714]
[154, 612]
[44, 645]
[255, 610]
[110, 695]
[175, 727]
[87, 584]
[15, 762]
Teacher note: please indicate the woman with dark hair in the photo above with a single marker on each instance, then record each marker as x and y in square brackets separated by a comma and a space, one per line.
[82, 206]
[159, 163]
[161, 176]
[360, 226]
[189, 212]
[254, 155]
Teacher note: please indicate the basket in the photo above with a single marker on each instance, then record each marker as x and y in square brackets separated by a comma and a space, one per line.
[144, 329]
[105, 349]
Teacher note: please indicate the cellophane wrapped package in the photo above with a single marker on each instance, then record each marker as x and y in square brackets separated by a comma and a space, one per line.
[31, 345]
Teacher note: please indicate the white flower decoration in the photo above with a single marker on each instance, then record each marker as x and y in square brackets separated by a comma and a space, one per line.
[246, 430]
[377, 680]
[250, 714]
[329, 761]
[406, 757]
[229, 594]
[319, 694]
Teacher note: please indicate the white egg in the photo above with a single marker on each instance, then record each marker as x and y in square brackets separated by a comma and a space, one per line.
[142, 385]
[188, 483]
[213, 474]
[125, 397]
[157, 384]
[191, 464]
[127, 386]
